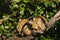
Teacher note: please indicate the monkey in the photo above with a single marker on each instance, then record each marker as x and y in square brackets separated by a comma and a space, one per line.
[39, 24]
[23, 27]
[20, 24]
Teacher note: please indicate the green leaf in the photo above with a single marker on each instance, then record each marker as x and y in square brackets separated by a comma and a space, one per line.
[46, 3]
[53, 5]
[6, 27]
[26, 1]
[21, 6]
[51, 14]
[16, 0]
[12, 27]
[22, 12]
[13, 6]
[47, 16]
[55, 10]
[30, 10]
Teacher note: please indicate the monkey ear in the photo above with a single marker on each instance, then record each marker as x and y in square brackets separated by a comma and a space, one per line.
[21, 24]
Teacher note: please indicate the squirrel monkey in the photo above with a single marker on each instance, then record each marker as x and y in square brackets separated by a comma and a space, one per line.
[23, 28]
[39, 23]
[20, 24]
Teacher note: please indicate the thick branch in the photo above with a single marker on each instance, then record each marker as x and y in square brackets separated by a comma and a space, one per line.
[20, 38]
[54, 19]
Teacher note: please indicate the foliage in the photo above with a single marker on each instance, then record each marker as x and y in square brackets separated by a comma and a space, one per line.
[26, 8]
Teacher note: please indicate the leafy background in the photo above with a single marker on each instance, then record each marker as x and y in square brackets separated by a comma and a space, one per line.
[24, 9]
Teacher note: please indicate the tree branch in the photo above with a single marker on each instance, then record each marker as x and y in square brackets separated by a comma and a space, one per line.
[54, 19]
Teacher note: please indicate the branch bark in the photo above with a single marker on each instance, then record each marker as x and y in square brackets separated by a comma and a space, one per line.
[20, 38]
[52, 21]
